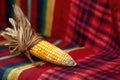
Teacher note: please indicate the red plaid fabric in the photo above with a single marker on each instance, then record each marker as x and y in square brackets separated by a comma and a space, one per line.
[97, 67]
[91, 25]
[115, 8]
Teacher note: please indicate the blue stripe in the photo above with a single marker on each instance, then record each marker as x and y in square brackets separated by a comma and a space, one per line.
[69, 46]
[8, 10]
[39, 17]
[3, 47]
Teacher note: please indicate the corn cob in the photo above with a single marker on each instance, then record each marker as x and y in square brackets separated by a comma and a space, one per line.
[50, 53]
[22, 38]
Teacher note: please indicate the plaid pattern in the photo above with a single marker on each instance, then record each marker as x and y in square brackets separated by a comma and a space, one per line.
[115, 8]
[93, 68]
[90, 25]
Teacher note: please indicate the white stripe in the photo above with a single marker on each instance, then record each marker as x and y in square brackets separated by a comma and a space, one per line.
[9, 56]
[57, 42]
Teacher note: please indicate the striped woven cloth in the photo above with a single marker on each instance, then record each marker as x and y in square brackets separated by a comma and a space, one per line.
[44, 15]
[91, 38]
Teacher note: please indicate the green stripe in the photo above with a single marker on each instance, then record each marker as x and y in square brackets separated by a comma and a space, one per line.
[6, 73]
[12, 14]
[43, 16]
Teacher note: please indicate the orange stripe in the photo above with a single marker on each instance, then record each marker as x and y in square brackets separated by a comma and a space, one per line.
[49, 17]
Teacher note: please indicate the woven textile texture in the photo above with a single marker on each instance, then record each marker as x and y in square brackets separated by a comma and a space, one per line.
[91, 38]
[46, 16]
[91, 25]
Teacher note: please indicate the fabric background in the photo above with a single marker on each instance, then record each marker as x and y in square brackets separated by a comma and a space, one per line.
[88, 30]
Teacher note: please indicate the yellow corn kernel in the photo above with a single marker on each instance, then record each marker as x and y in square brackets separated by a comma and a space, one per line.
[50, 53]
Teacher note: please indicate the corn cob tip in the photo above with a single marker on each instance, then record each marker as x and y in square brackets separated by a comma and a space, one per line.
[71, 63]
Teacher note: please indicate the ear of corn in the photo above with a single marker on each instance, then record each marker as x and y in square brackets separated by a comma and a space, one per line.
[50, 53]
[22, 38]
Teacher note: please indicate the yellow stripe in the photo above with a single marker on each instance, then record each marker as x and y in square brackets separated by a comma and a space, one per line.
[49, 17]
[14, 74]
